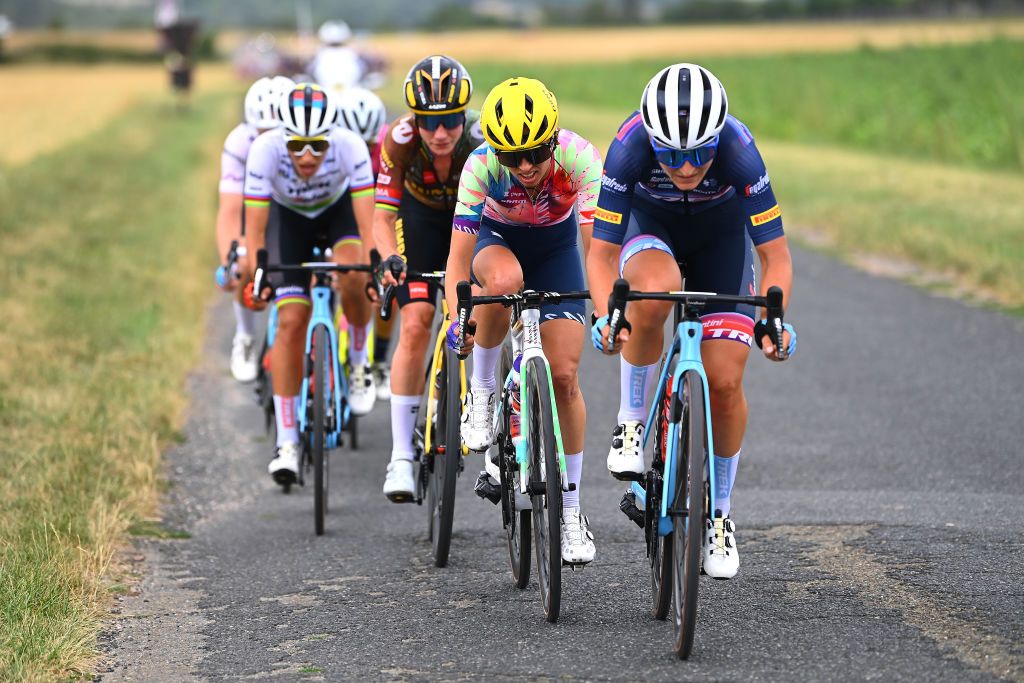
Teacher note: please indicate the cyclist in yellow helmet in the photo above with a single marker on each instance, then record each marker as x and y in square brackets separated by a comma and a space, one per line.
[515, 226]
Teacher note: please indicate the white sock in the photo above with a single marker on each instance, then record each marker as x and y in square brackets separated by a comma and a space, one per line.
[484, 362]
[358, 351]
[574, 471]
[286, 412]
[244, 320]
[636, 387]
[404, 410]
[725, 477]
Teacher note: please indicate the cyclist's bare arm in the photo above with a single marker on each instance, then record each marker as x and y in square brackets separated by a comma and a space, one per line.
[229, 226]
[256, 218]
[602, 271]
[776, 270]
[460, 257]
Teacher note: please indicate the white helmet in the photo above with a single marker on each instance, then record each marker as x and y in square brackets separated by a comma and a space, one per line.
[282, 84]
[684, 106]
[307, 111]
[361, 111]
[334, 33]
[261, 104]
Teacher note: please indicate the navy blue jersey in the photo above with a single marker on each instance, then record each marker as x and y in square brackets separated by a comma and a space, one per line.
[631, 174]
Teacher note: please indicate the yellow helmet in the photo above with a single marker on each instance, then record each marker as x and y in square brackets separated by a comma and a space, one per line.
[519, 113]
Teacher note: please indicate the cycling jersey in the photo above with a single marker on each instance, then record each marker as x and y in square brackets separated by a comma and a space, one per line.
[407, 165]
[488, 190]
[271, 174]
[632, 177]
[232, 159]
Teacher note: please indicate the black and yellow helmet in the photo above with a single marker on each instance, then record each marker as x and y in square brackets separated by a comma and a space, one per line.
[519, 113]
[438, 84]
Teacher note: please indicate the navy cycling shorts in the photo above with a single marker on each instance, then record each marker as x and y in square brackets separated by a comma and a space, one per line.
[549, 257]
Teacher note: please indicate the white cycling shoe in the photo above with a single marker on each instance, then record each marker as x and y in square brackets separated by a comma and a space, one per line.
[243, 358]
[400, 484]
[626, 456]
[285, 467]
[382, 380]
[577, 540]
[361, 391]
[477, 412]
[721, 559]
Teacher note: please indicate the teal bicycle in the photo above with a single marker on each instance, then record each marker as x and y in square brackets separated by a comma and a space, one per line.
[672, 500]
[323, 399]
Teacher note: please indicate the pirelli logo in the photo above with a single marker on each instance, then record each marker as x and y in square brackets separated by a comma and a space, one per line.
[765, 216]
[610, 216]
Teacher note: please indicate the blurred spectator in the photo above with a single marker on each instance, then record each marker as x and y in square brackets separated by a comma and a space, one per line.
[336, 66]
[177, 39]
[5, 29]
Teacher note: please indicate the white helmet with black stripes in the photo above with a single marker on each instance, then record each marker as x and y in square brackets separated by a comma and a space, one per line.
[307, 111]
[684, 106]
[361, 111]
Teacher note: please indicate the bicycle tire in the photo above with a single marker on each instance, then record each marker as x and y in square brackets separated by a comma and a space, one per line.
[659, 547]
[321, 351]
[516, 522]
[689, 499]
[427, 458]
[547, 508]
[446, 465]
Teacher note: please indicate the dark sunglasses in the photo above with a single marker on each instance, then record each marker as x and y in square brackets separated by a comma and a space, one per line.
[535, 155]
[432, 122]
[299, 145]
[675, 158]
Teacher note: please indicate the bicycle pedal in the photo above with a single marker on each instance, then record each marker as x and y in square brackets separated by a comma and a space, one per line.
[401, 497]
[575, 566]
[628, 507]
[487, 490]
[628, 476]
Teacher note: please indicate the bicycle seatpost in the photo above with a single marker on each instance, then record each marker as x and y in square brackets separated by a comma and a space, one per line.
[464, 295]
[617, 309]
[774, 317]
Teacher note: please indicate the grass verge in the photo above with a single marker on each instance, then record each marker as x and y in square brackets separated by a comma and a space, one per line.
[102, 295]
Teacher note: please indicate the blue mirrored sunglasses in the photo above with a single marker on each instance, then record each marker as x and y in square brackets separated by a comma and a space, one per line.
[431, 122]
[675, 158]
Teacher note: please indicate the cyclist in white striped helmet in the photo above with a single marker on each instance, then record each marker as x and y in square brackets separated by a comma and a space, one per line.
[684, 182]
[261, 103]
[309, 184]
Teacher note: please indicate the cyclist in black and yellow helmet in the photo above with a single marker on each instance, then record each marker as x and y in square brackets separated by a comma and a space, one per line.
[420, 161]
[516, 225]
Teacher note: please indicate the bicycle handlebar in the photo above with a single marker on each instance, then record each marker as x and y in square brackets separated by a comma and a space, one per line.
[464, 294]
[262, 268]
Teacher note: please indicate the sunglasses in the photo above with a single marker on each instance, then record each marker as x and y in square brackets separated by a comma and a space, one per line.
[298, 146]
[675, 158]
[432, 122]
[535, 155]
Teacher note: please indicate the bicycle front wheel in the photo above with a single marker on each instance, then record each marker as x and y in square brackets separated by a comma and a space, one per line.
[446, 464]
[688, 510]
[545, 476]
[321, 395]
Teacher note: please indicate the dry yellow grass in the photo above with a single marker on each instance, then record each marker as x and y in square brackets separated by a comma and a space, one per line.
[90, 96]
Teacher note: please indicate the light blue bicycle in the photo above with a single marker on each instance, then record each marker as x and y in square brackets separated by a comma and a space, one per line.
[323, 399]
[672, 500]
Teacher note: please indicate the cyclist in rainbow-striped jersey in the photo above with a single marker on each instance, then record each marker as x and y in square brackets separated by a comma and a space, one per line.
[684, 181]
[260, 116]
[310, 184]
[515, 226]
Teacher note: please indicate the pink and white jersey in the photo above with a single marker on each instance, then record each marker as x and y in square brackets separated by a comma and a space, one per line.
[232, 159]
[270, 173]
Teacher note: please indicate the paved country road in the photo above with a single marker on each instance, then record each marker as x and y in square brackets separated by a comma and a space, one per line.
[878, 509]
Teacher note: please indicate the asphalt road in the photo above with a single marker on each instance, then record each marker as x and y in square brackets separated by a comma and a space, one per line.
[877, 506]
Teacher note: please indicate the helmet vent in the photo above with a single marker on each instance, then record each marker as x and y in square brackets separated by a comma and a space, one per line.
[542, 128]
[499, 112]
[529, 108]
[705, 111]
[662, 116]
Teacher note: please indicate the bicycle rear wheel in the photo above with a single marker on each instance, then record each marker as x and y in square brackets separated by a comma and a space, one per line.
[545, 476]
[517, 522]
[446, 464]
[688, 510]
[321, 395]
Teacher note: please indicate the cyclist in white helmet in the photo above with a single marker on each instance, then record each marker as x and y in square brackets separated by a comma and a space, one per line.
[363, 113]
[260, 115]
[309, 184]
[336, 66]
[684, 182]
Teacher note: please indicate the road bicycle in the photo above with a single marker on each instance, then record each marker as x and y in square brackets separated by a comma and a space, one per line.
[672, 500]
[323, 399]
[527, 449]
[438, 426]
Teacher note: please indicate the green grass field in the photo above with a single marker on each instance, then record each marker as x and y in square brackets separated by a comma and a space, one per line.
[107, 248]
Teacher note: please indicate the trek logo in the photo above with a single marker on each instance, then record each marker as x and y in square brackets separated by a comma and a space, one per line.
[613, 184]
[637, 384]
[756, 188]
[608, 216]
[766, 216]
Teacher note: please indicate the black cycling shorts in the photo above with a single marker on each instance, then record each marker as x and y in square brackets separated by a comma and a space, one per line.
[424, 236]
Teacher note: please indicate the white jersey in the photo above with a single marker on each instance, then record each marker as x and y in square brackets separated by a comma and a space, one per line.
[270, 173]
[232, 159]
[337, 68]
